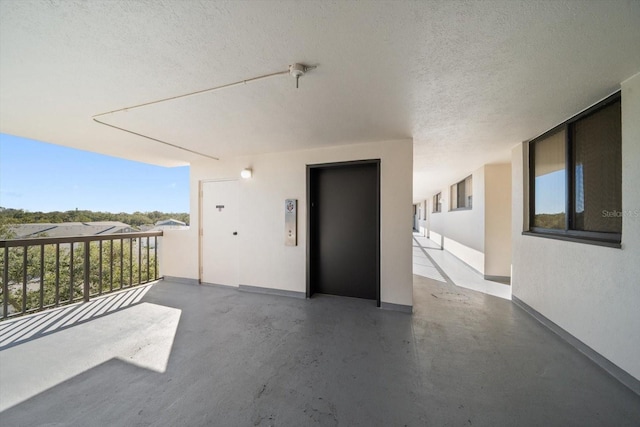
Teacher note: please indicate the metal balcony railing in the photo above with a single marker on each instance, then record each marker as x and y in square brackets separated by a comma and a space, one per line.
[46, 272]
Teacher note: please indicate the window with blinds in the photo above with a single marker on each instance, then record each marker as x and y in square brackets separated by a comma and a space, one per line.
[437, 203]
[575, 177]
[597, 163]
[550, 174]
[462, 194]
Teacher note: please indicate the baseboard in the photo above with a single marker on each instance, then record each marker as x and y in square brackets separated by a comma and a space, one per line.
[618, 373]
[183, 280]
[271, 291]
[505, 280]
[280, 292]
[396, 307]
[217, 285]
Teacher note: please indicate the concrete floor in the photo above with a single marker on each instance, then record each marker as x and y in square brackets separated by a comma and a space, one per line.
[186, 355]
[432, 262]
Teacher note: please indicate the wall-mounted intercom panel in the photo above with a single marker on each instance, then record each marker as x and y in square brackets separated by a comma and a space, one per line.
[290, 222]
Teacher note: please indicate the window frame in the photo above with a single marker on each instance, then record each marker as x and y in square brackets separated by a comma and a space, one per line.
[568, 234]
[437, 203]
[457, 186]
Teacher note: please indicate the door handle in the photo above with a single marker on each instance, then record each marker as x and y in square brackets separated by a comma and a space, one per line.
[235, 233]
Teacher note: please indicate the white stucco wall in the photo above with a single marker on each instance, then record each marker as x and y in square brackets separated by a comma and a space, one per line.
[423, 222]
[497, 225]
[592, 292]
[435, 237]
[462, 230]
[481, 237]
[264, 259]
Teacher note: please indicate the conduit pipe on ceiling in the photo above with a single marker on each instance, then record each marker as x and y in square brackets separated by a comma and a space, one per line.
[171, 98]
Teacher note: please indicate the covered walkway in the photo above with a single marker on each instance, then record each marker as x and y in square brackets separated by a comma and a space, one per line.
[430, 261]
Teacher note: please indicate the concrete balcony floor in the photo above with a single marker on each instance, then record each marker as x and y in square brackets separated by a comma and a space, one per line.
[172, 354]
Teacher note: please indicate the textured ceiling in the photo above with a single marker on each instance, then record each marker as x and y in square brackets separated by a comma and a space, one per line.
[466, 80]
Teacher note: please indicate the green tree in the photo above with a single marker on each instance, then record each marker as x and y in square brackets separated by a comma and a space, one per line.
[18, 216]
[121, 268]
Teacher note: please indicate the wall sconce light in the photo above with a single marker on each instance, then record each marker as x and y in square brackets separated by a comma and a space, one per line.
[246, 173]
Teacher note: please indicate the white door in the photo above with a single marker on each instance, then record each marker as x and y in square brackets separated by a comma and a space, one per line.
[220, 232]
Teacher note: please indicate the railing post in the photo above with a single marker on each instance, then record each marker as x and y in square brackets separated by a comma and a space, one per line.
[25, 265]
[87, 275]
[5, 284]
[121, 263]
[139, 260]
[111, 265]
[41, 276]
[148, 271]
[57, 274]
[155, 257]
[130, 261]
[72, 276]
[100, 267]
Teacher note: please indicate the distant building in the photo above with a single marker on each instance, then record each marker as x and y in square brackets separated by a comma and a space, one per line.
[69, 229]
[171, 222]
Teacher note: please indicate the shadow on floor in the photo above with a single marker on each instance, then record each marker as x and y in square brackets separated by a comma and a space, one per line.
[23, 329]
[443, 266]
[238, 359]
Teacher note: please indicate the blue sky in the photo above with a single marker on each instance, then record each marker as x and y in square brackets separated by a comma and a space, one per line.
[550, 192]
[36, 176]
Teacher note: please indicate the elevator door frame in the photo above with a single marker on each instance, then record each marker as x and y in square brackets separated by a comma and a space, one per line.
[309, 247]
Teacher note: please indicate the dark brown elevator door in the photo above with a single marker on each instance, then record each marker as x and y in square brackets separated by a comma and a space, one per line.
[344, 230]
